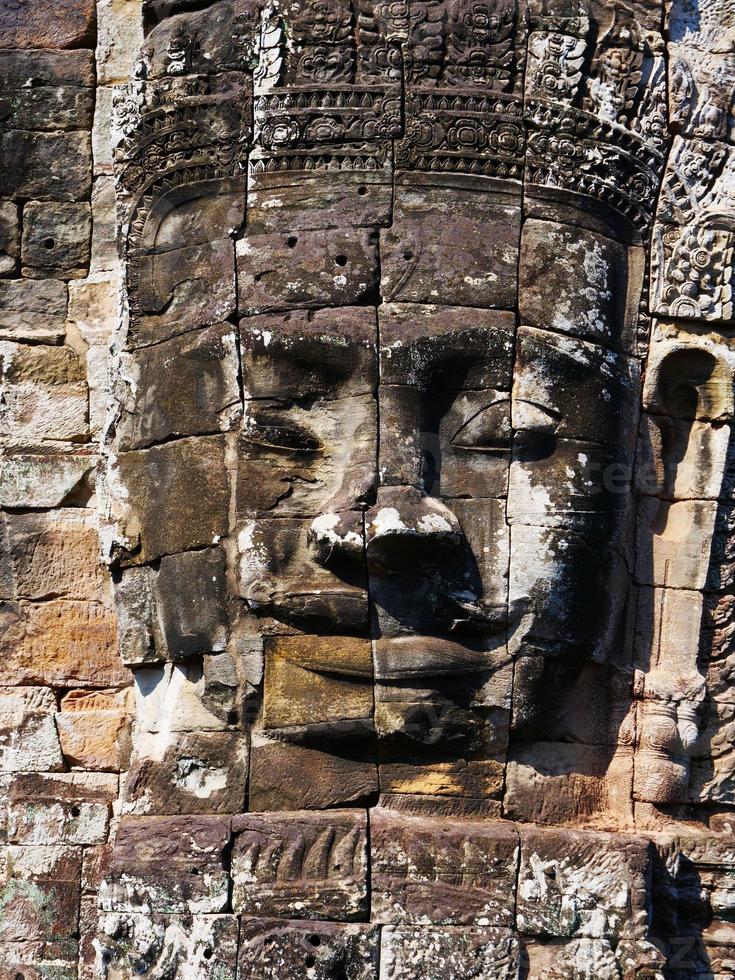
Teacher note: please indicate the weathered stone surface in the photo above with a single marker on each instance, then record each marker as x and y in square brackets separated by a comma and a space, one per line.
[471, 257]
[175, 611]
[187, 478]
[66, 808]
[47, 25]
[337, 267]
[45, 477]
[47, 90]
[44, 393]
[56, 239]
[119, 36]
[185, 386]
[196, 773]
[167, 865]
[36, 957]
[184, 288]
[39, 892]
[583, 884]
[28, 738]
[277, 783]
[273, 948]
[301, 865]
[62, 642]
[54, 555]
[32, 310]
[46, 166]
[196, 946]
[9, 237]
[448, 952]
[586, 274]
[313, 681]
[93, 729]
[414, 868]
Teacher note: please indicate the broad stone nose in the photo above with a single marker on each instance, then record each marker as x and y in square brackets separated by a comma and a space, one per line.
[407, 529]
[337, 537]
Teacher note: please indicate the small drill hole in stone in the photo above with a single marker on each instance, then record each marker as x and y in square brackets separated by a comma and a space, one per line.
[292, 242]
[341, 260]
[208, 953]
[408, 255]
[315, 940]
[258, 276]
[195, 871]
[362, 190]
[231, 717]
[310, 961]
[49, 243]
[75, 811]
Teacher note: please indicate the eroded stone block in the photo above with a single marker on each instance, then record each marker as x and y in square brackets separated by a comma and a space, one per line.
[184, 947]
[301, 865]
[32, 310]
[168, 865]
[448, 953]
[431, 870]
[272, 948]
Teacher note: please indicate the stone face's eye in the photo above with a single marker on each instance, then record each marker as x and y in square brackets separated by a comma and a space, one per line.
[487, 430]
[533, 417]
[285, 438]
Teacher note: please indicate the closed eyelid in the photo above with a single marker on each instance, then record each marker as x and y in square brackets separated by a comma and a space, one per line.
[534, 416]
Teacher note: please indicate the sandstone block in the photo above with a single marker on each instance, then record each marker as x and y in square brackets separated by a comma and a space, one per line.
[45, 477]
[472, 257]
[56, 240]
[119, 37]
[185, 386]
[168, 865]
[429, 870]
[183, 288]
[313, 681]
[201, 947]
[294, 777]
[46, 166]
[92, 729]
[28, 737]
[47, 25]
[68, 808]
[272, 948]
[337, 267]
[426, 953]
[175, 497]
[32, 310]
[39, 892]
[301, 865]
[93, 307]
[44, 393]
[55, 555]
[583, 884]
[9, 240]
[196, 773]
[62, 642]
[47, 90]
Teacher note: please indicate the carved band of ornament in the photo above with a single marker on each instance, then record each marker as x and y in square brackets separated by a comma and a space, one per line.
[451, 101]
[372, 159]
[139, 213]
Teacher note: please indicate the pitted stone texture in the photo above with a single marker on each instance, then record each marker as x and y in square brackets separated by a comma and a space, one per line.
[583, 884]
[271, 949]
[301, 865]
[168, 865]
[448, 953]
[182, 947]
